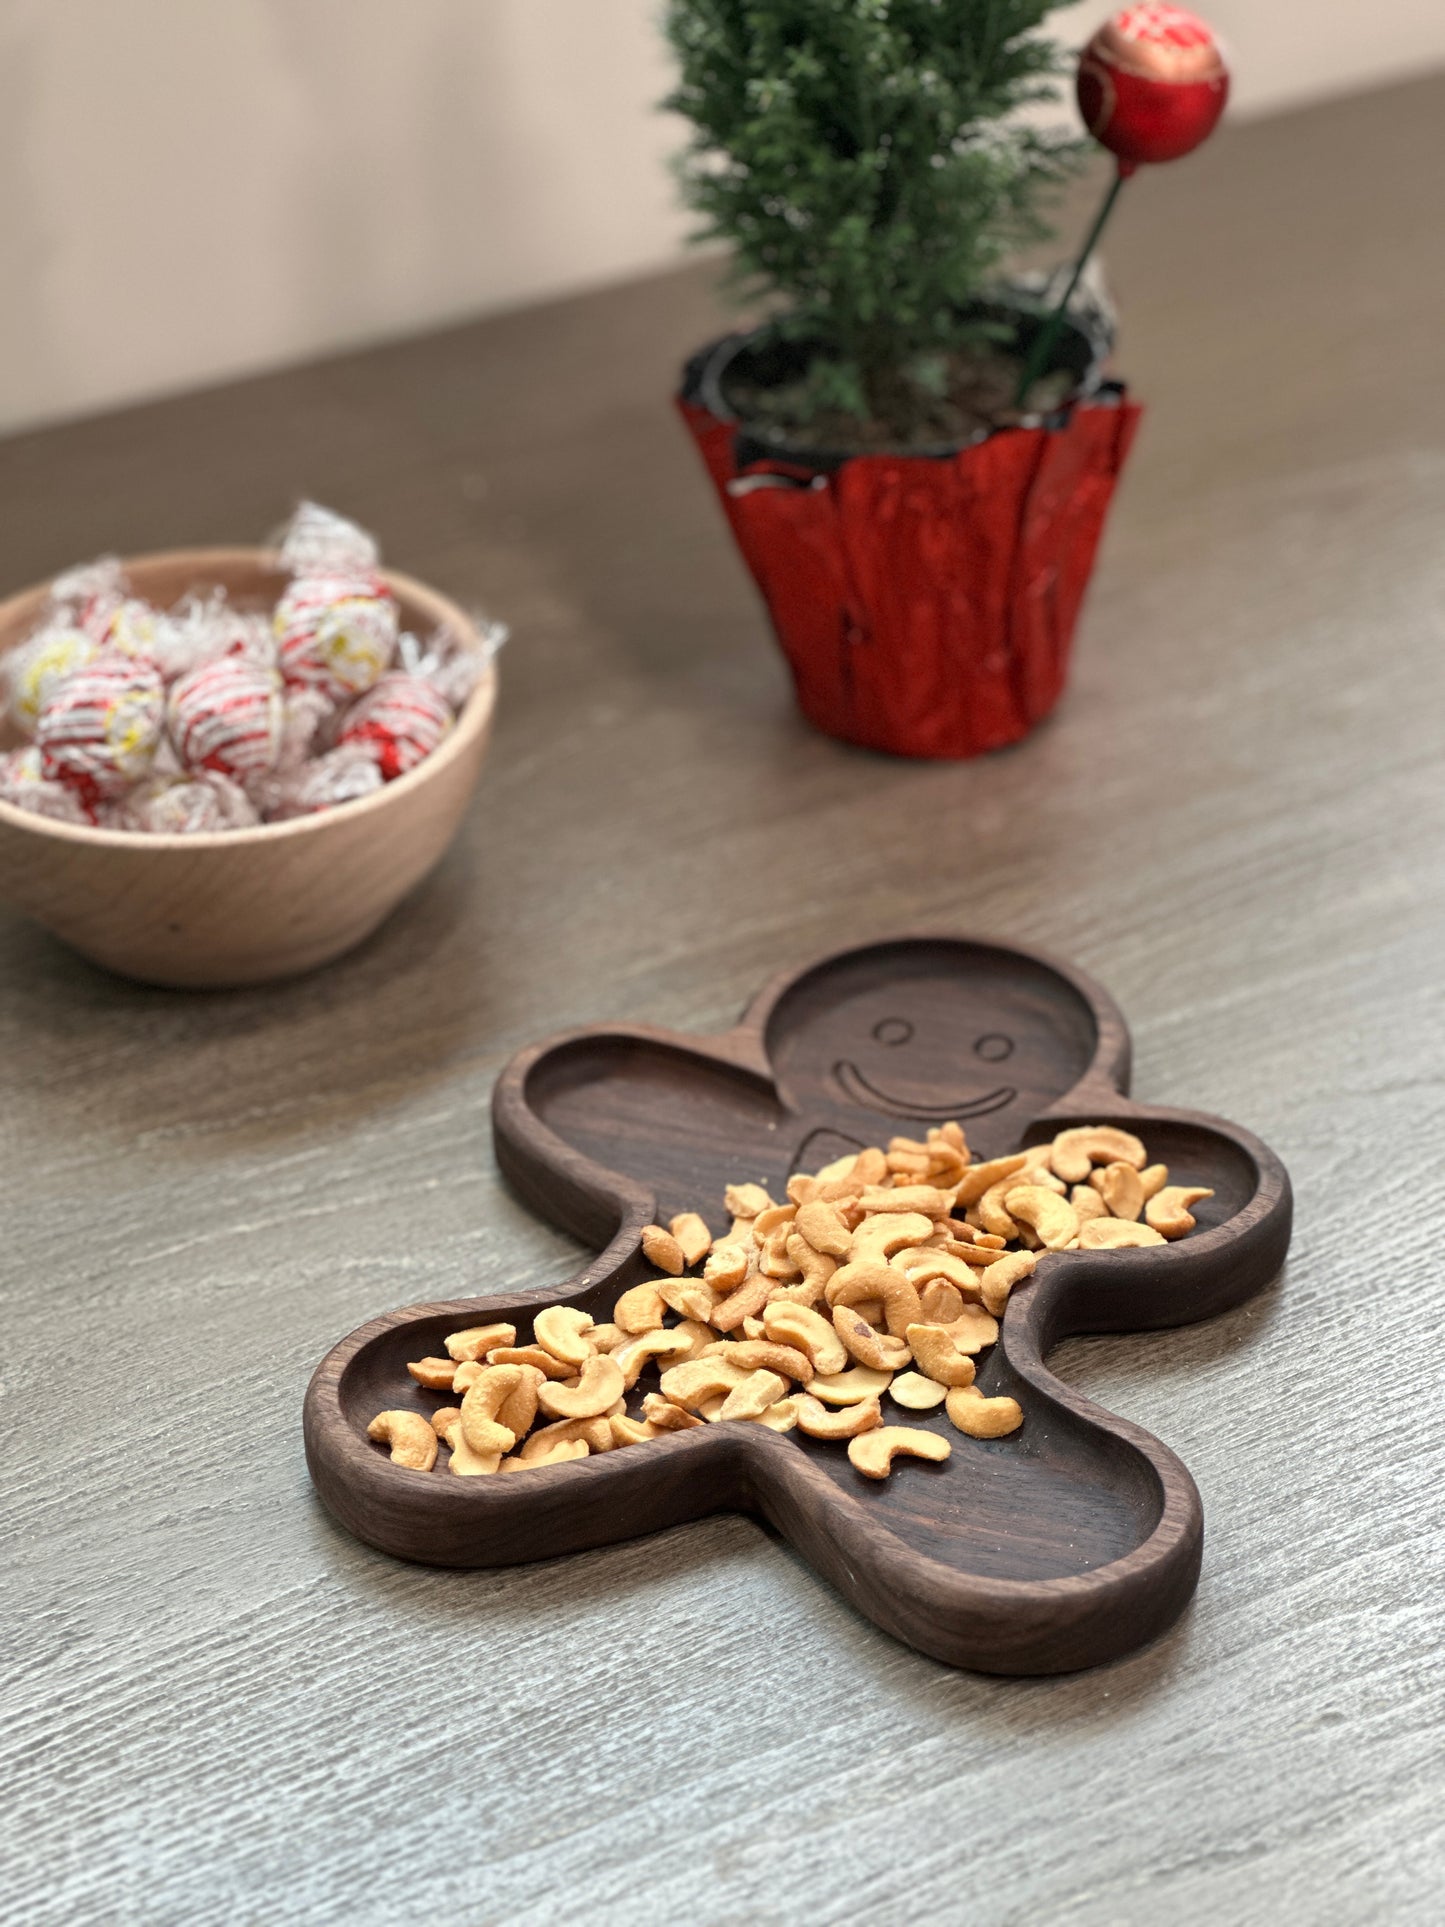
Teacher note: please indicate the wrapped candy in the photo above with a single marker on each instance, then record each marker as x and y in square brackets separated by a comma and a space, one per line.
[206, 717]
[227, 715]
[400, 721]
[35, 670]
[336, 625]
[89, 595]
[100, 729]
[25, 786]
[340, 776]
[185, 804]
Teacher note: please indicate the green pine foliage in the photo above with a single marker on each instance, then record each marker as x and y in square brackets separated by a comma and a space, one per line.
[864, 163]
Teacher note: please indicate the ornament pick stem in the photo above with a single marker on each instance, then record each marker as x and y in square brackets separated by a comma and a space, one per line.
[1043, 343]
[1151, 86]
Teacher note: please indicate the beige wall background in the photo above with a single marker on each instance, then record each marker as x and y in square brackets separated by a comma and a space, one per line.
[192, 189]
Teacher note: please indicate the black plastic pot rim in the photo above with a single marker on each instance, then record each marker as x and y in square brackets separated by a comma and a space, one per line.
[706, 371]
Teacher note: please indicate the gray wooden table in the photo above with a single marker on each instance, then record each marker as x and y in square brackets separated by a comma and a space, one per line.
[216, 1706]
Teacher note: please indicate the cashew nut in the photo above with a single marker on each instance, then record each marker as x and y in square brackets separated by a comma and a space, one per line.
[850, 1387]
[917, 1393]
[819, 1423]
[1087, 1203]
[925, 1199]
[980, 1417]
[756, 1394]
[1073, 1152]
[559, 1454]
[689, 1385]
[631, 1431]
[768, 1221]
[983, 1177]
[1052, 1217]
[634, 1353]
[690, 1298]
[729, 1264]
[821, 1227]
[973, 1329]
[1168, 1210]
[804, 1330]
[773, 1259]
[692, 1235]
[873, 1453]
[640, 1309]
[763, 1355]
[1153, 1177]
[746, 1302]
[600, 1385]
[518, 1410]
[468, 1464]
[698, 1335]
[537, 1355]
[1116, 1234]
[746, 1200]
[939, 1303]
[998, 1281]
[486, 1395]
[816, 1268]
[478, 1340]
[660, 1248]
[939, 1356]
[929, 1265]
[990, 1211]
[666, 1416]
[436, 1374]
[594, 1433]
[559, 1329]
[869, 1347]
[782, 1416]
[877, 1239]
[856, 1285]
[1120, 1187]
[413, 1443]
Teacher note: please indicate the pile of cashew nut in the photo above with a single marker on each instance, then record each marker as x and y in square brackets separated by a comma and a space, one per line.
[803, 1314]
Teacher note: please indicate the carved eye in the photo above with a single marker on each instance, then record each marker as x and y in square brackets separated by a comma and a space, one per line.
[893, 1030]
[994, 1048]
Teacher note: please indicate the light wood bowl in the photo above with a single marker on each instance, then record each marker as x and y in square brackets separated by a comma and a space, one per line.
[241, 906]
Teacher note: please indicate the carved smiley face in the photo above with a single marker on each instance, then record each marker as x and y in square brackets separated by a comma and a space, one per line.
[988, 1047]
[901, 1096]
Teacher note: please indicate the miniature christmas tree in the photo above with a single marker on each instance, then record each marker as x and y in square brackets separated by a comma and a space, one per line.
[867, 165]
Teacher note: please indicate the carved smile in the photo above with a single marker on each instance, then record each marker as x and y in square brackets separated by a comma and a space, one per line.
[857, 1089]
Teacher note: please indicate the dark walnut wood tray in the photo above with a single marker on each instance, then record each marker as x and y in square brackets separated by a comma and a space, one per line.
[1074, 1539]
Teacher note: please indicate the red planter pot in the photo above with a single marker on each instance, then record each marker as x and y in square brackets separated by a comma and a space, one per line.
[925, 603]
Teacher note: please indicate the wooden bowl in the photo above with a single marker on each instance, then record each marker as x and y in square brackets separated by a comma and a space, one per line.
[241, 906]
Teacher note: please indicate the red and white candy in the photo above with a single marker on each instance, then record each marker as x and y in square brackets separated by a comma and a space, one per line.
[336, 633]
[100, 729]
[228, 715]
[401, 722]
[35, 670]
[25, 787]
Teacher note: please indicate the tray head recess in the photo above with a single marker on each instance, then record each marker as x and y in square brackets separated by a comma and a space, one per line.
[901, 1035]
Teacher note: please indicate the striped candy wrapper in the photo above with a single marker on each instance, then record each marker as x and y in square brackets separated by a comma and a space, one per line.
[228, 716]
[401, 721]
[336, 633]
[100, 729]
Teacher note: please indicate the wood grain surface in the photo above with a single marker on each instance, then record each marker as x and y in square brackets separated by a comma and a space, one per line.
[217, 1706]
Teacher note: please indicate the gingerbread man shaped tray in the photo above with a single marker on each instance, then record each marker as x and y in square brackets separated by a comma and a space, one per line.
[1068, 1542]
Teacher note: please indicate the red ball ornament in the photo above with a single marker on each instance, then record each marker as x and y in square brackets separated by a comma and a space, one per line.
[1152, 84]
